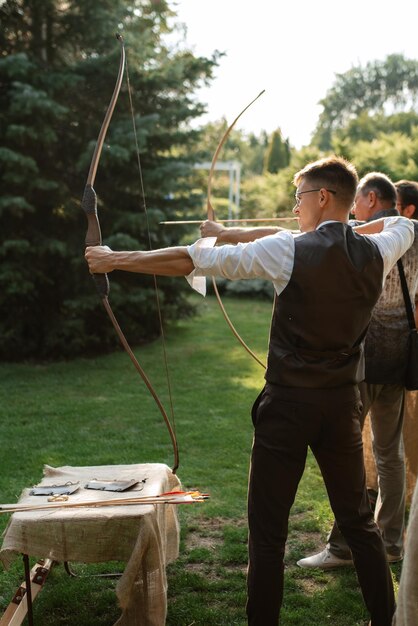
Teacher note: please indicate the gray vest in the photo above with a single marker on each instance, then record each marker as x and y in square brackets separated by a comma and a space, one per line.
[321, 318]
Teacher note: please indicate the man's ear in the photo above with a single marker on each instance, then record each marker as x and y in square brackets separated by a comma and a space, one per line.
[323, 195]
[408, 211]
[372, 198]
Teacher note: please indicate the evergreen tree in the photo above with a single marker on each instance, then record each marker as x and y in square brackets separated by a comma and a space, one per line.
[278, 153]
[257, 149]
[58, 66]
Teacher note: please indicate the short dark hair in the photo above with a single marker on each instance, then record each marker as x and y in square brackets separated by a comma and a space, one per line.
[334, 173]
[382, 186]
[408, 194]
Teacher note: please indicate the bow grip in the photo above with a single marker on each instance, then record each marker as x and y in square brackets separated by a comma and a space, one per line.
[94, 235]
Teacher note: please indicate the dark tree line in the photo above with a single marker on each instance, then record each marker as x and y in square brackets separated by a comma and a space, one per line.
[58, 66]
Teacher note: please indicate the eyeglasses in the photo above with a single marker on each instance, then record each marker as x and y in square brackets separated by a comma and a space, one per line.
[300, 193]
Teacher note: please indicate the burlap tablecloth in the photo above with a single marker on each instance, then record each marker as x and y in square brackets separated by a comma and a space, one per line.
[146, 537]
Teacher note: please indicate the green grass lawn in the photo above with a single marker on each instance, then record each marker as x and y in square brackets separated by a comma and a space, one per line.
[98, 412]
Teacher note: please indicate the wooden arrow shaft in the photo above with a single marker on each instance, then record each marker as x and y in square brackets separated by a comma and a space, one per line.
[255, 219]
[169, 498]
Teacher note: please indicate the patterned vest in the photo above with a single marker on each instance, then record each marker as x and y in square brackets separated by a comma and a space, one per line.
[321, 317]
[386, 345]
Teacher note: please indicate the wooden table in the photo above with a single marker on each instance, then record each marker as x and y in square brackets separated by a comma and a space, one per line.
[146, 537]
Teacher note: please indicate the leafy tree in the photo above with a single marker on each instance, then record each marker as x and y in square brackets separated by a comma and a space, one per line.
[247, 150]
[394, 154]
[367, 127]
[58, 65]
[381, 87]
[272, 195]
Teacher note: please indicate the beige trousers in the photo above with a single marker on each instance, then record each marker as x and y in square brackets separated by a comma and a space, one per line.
[385, 404]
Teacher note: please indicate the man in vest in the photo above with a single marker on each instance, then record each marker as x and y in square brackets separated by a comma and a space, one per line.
[382, 391]
[327, 281]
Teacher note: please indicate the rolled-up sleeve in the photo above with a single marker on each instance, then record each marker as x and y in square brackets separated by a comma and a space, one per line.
[394, 240]
[270, 258]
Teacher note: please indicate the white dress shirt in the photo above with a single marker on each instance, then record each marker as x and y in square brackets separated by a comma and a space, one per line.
[272, 257]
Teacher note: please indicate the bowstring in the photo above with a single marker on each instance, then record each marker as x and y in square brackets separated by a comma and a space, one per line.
[157, 297]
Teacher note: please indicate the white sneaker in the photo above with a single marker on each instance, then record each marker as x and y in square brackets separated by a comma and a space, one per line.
[394, 558]
[324, 560]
